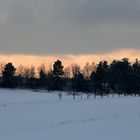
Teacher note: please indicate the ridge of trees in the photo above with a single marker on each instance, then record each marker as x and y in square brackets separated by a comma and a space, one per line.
[118, 77]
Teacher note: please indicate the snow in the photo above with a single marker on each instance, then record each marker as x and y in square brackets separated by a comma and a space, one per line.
[28, 115]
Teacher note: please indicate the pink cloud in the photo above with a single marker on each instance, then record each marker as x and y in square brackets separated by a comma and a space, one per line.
[28, 60]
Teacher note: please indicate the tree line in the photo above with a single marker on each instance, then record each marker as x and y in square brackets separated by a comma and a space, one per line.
[118, 77]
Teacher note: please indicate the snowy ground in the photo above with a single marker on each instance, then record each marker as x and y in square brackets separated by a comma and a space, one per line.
[27, 115]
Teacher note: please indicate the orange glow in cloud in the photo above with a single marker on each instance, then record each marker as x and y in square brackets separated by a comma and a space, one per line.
[28, 60]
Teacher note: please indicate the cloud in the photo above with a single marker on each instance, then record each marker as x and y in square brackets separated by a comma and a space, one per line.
[73, 9]
[67, 60]
[57, 27]
[99, 9]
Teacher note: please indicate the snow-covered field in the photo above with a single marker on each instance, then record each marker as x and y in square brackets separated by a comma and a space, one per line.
[27, 115]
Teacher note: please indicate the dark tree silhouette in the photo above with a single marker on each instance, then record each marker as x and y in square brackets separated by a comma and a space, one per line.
[8, 76]
[79, 83]
[58, 69]
[120, 77]
[136, 67]
[58, 74]
[42, 78]
[100, 77]
[119, 70]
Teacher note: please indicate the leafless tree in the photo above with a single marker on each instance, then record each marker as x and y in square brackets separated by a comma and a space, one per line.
[2, 65]
[67, 72]
[41, 68]
[20, 71]
[75, 69]
[88, 69]
[29, 72]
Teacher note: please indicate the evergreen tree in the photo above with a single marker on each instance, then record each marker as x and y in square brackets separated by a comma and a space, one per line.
[58, 74]
[79, 83]
[119, 72]
[42, 79]
[136, 67]
[58, 69]
[8, 76]
[100, 77]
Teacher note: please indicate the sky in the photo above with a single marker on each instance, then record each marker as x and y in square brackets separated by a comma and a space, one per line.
[75, 31]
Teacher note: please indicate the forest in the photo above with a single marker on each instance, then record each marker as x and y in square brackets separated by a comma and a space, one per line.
[118, 77]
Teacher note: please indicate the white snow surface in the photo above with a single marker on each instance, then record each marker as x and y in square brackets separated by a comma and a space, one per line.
[28, 115]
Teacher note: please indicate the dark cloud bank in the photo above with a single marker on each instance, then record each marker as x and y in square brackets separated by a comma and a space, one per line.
[68, 26]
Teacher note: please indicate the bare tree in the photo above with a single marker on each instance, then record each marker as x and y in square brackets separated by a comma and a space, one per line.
[32, 71]
[2, 65]
[29, 72]
[41, 68]
[88, 69]
[75, 69]
[20, 71]
[67, 72]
